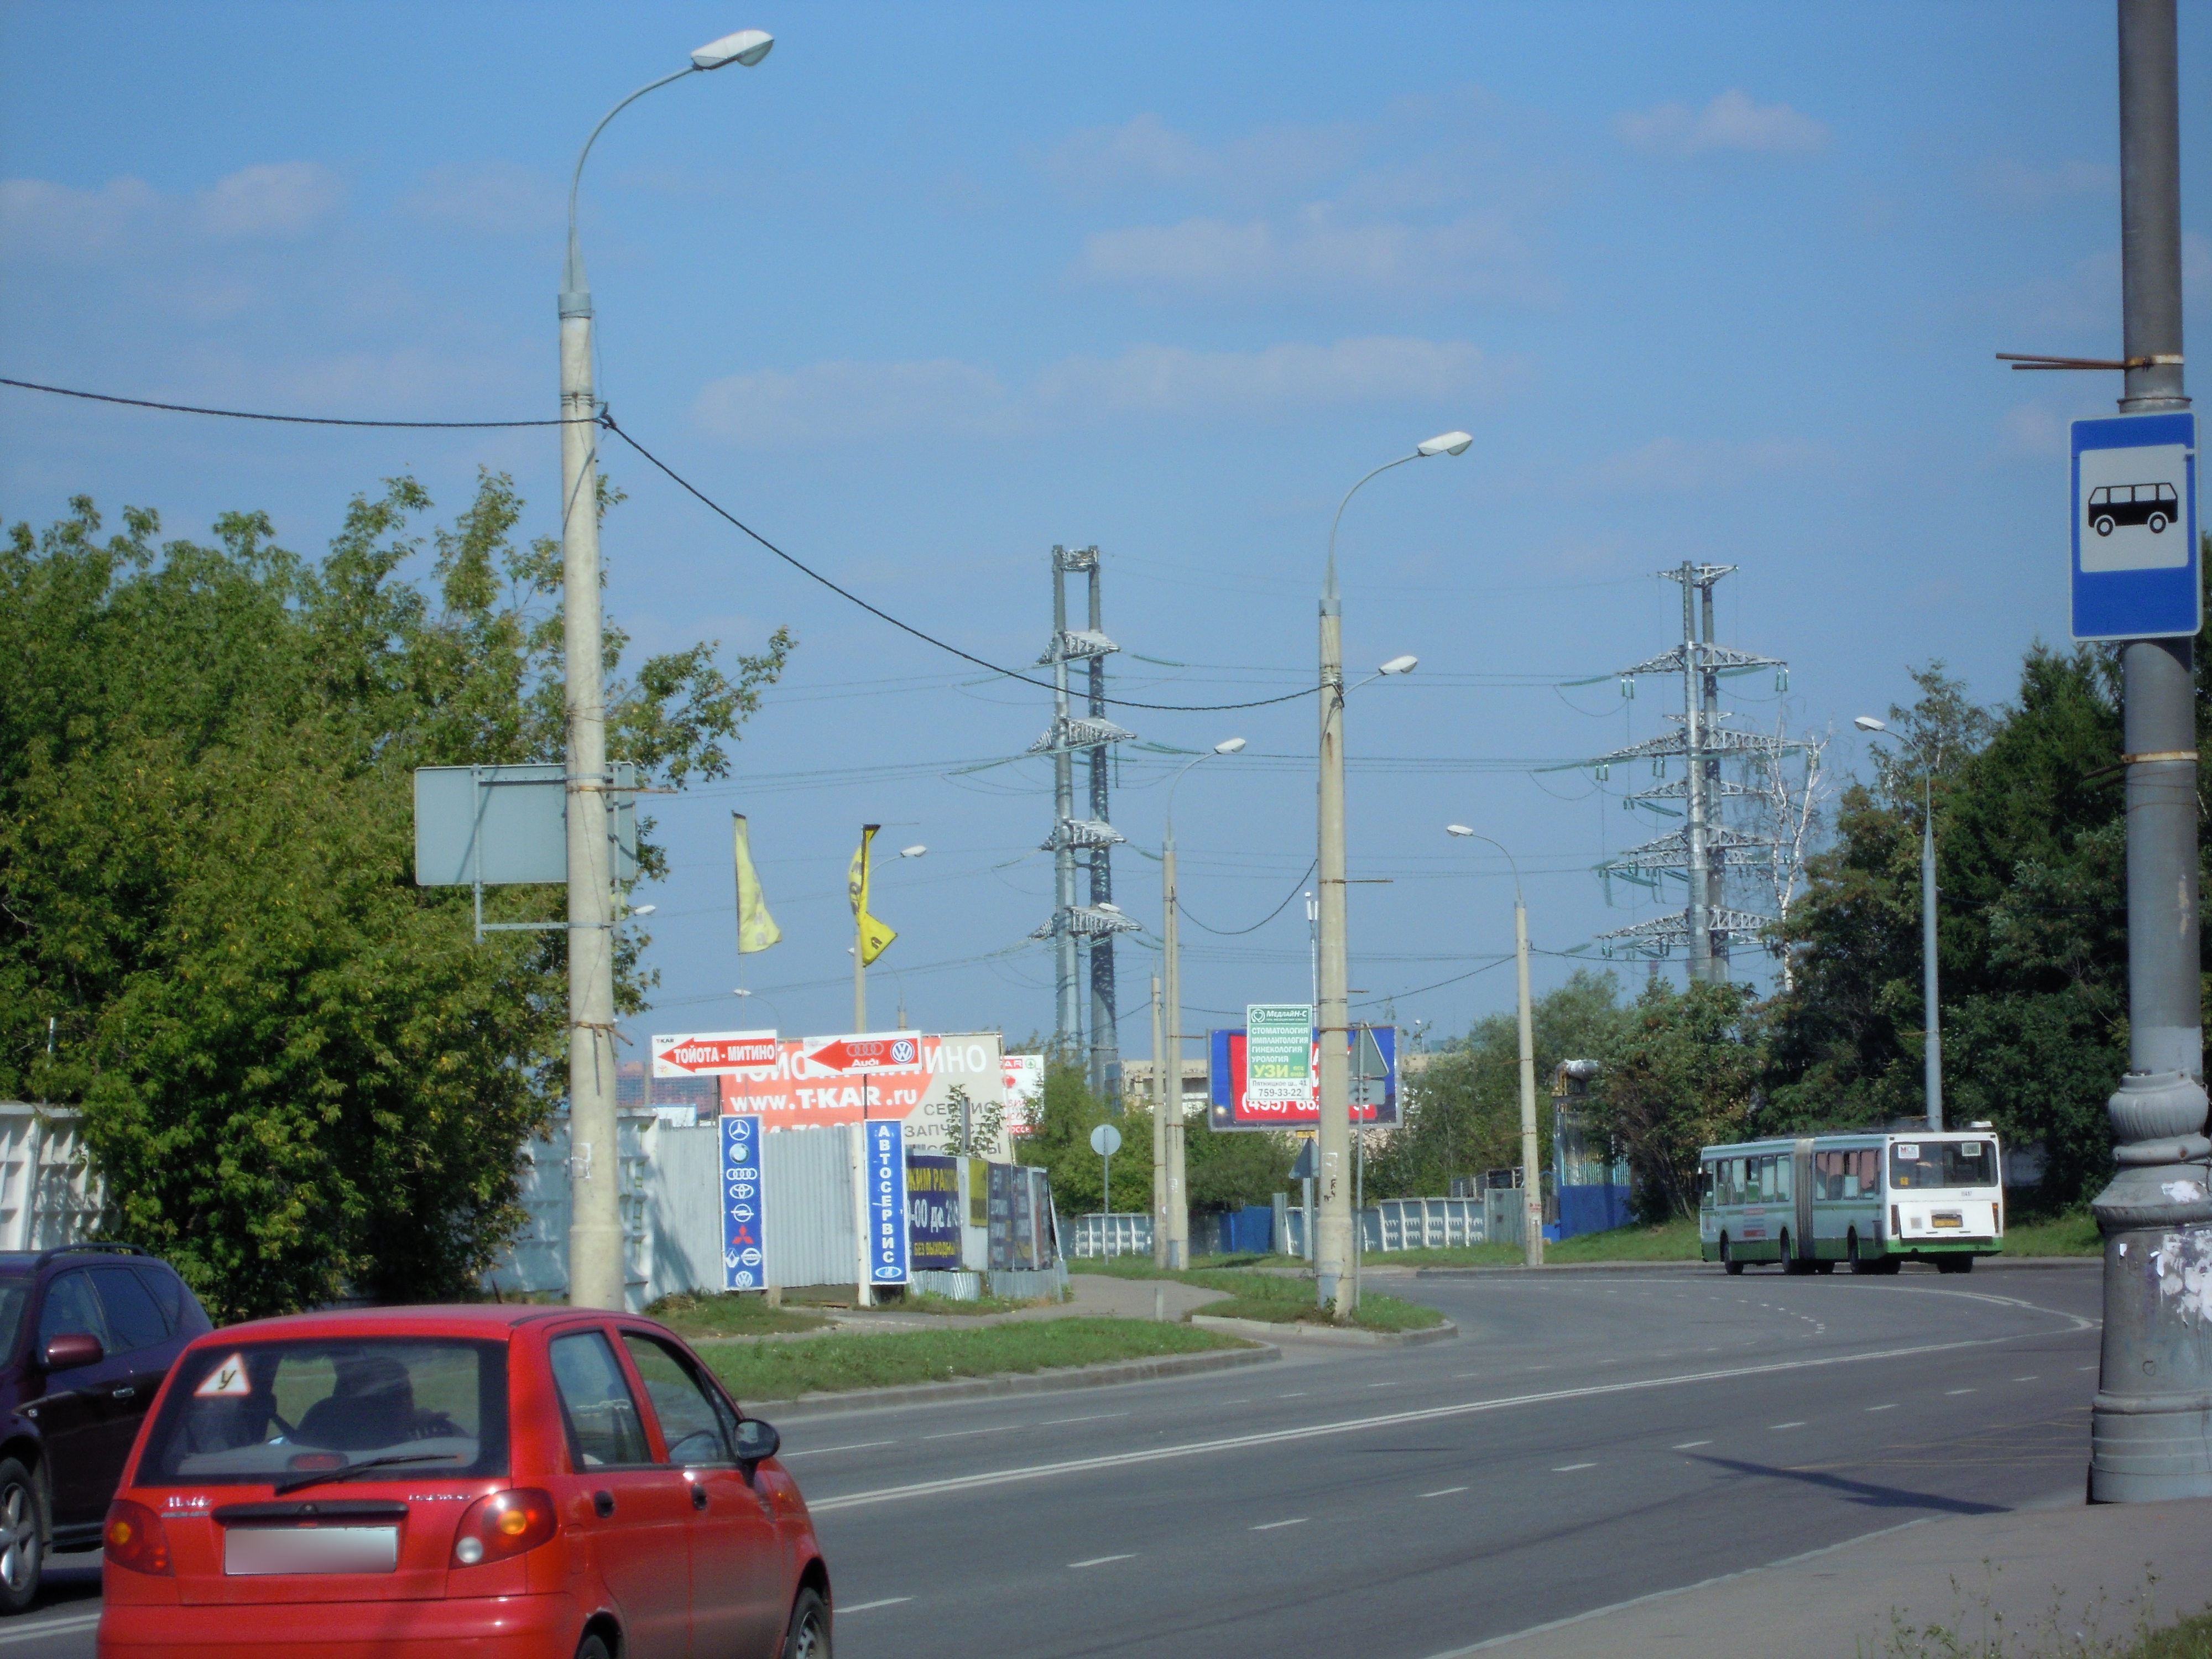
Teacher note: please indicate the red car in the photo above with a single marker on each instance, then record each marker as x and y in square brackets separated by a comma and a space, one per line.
[472, 1481]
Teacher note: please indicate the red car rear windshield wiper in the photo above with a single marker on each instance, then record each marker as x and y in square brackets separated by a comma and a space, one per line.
[321, 1476]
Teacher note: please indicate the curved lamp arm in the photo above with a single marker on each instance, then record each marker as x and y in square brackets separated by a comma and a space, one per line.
[1229, 746]
[1328, 581]
[572, 276]
[1465, 833]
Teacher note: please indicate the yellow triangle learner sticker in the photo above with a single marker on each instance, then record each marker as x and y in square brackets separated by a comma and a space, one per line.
[226, 1379]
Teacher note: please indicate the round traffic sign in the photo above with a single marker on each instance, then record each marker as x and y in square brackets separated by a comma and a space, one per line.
[1105, 1140]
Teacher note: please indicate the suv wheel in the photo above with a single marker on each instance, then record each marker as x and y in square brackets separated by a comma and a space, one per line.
[22, 1538]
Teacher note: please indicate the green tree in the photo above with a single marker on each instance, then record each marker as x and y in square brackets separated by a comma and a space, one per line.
[1680, 1074]
[300, 1076]
[1460, 1111]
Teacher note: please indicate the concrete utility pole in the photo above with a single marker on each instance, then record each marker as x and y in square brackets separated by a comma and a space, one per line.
[1532, 1191]
[1932, 1065]
[1332, 1016]
[1159, 1135]
[1176, 1193]
[596, 1268]
[2150, 1432]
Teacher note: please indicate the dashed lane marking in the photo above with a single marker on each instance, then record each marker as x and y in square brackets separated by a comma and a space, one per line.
[1569, 1468]
[1098, 1561]
[1690, 1445]
[1443, 1492]
[823, 1451]
[1890, 1407]
[1269, 1526]
[870, 1607]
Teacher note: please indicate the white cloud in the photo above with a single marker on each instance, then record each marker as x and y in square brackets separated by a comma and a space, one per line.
[488, 199]
[284, 199]
[1175, 381]
[1146, 152]
[43, 222]
[1730, 122]
[847, 401]
[1317, 251]
[860, 402]
[2009, 184]
[1675, 465]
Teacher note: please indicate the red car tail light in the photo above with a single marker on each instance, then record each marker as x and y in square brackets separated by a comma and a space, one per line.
[506, 1524]
[134, 1539]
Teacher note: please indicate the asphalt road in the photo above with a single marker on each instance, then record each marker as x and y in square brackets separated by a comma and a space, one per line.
[1590, 1438]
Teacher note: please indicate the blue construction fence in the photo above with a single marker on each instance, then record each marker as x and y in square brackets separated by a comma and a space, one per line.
[1590, 1210]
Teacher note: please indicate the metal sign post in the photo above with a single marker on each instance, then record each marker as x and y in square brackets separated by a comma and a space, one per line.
[1106, 1141]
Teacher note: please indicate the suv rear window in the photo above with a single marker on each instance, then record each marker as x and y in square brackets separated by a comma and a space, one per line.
[252, 1413]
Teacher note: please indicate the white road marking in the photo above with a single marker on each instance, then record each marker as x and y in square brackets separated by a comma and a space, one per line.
[1948, 1391]
[1789, 1425]
[1690, 1445]
[1269, 1526]
[1095, 1417]
[2024, 1379]
[963, 1434]
[1443, 1492]
[1889, 1407]
[1098, 1561]
[1360, 1424]
[870, 1607]
[1382, 1385]
[822, 1451]
[1569, 1468]
[1300, 1395]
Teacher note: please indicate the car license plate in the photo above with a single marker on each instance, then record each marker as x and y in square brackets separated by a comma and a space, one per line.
[1945, 1218]
[250, 1551]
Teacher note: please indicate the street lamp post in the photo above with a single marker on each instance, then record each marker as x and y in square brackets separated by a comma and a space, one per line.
[1333, 1237]
[860, 951]
[1171, 1207]
[1532, 1195]
[595, 1247]
[1933, 1064]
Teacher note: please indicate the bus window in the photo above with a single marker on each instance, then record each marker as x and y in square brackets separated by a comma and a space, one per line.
[1738, 1180]
[1869, 1171]
[1782, 1176]
[1941, 1163]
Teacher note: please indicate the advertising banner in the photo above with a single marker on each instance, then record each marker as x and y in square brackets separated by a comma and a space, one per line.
[744, 1260]
[712, 1054]
[1231, 1104]
[1025, 1075]
[905, 1077]
[933, 1211]
[886, 1176]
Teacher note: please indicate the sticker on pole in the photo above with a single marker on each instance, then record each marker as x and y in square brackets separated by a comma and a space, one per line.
[2134, 535]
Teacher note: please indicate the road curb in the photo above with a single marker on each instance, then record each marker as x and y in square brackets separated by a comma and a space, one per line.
[979, 1388]
[1993, 1264]
[1324, 1335]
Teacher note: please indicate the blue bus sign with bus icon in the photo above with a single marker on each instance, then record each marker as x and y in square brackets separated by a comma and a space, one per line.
[2134, 537]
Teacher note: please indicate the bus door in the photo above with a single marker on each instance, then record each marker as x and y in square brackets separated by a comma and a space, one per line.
[1802, 1191]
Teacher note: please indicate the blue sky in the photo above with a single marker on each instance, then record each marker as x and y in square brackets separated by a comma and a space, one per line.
[932, 290]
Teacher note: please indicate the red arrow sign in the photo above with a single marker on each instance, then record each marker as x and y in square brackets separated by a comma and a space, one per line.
[714, 1054]
[902, 1052]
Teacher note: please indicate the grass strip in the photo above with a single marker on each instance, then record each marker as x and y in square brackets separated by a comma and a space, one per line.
[829, 1365]
[729, 1313]
[1276, 1298]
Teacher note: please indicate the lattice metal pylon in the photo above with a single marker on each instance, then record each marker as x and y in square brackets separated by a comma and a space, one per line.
[1699, 850]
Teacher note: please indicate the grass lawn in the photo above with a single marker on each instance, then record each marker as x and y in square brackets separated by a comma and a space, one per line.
[826, 1365]
[734, 1313]
[1278, 1298]
[2074, 1233]
[1672, 1240]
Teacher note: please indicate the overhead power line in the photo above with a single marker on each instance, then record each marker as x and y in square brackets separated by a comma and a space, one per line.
[607, 420]
[1231, 933]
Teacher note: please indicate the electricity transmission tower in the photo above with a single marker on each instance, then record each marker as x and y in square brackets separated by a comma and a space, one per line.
[1099, 920]
[1700, 853]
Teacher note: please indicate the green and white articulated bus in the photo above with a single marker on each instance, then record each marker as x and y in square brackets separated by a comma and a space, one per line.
[1872, 1200]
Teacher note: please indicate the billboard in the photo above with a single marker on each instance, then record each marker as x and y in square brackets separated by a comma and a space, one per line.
[884, 1202]
[933, 1211]
[898, 1077]
[744, 1260]
[1231, 1102]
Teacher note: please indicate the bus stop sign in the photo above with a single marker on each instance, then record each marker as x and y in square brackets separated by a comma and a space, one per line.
[2134, 535]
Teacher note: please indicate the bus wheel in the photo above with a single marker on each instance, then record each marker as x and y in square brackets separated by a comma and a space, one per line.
[1790, 1264]
[1729, 1262]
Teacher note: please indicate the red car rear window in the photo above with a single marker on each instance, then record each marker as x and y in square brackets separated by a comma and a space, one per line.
[256, 1414]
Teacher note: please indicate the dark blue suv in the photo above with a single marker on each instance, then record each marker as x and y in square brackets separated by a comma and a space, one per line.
[86, 1333]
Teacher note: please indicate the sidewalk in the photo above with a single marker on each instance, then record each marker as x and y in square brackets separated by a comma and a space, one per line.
[1838, 1603]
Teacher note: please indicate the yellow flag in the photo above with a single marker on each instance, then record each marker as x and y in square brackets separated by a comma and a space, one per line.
[756, 929]
[875, 937]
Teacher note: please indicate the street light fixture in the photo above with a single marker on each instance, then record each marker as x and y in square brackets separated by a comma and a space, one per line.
[1532, 1197]
[1933, 1062]
[1170, 1209]
[1334, 1286]
[595, 1241]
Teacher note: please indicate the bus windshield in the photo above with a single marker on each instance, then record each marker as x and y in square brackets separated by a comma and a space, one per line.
[1918, 1164]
